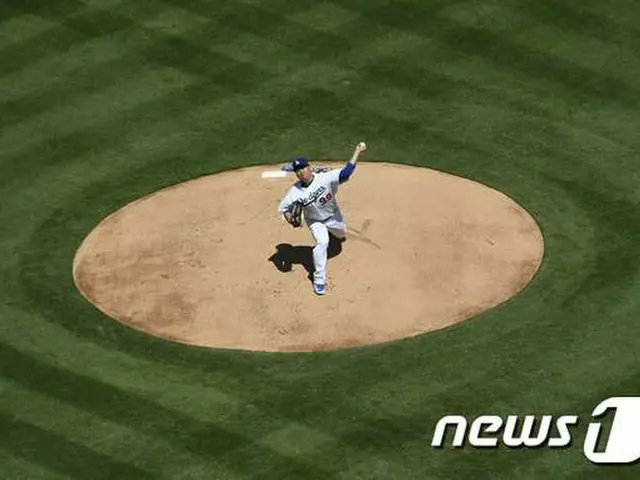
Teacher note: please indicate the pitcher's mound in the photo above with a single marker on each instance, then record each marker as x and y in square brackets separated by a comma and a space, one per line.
[210, 262]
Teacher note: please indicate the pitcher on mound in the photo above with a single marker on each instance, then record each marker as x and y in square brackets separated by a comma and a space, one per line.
[314, 194]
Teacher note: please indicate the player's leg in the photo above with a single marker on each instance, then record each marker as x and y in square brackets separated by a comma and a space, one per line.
[337, 227]
[321, 236]
[338, 231]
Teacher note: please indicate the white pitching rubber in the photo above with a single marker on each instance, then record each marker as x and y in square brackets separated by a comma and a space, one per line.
[274, 174]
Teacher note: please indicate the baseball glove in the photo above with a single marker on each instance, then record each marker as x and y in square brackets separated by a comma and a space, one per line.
[295, 218]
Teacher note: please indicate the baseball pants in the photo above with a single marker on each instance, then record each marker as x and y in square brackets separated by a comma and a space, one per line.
[320, 232]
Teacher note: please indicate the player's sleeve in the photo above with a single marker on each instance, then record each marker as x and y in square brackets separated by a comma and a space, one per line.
[332, 178]
[345, 172]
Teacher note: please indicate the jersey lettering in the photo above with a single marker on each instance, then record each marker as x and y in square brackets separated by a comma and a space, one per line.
[319, 198]
[314, 195]
[326, 198]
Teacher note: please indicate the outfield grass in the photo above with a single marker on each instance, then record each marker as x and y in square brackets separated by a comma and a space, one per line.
[104, 101]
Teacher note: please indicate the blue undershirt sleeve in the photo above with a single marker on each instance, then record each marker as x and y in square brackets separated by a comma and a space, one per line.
[346, 172]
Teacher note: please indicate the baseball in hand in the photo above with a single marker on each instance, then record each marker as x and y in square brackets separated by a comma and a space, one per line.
[362, 146]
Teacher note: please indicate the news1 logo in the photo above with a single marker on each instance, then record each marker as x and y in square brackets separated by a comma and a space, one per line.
[621, 447]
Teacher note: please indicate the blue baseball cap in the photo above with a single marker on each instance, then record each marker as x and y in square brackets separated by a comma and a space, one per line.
[299, 163]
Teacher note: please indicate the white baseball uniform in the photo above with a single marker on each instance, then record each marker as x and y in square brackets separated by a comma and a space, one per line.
[321, 213]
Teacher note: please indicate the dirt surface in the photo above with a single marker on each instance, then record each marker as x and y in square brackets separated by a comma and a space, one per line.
[210, 262]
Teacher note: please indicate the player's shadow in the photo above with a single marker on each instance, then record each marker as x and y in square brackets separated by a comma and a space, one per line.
[288, 255]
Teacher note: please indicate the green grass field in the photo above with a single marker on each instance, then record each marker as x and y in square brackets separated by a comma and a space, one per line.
[104, 101]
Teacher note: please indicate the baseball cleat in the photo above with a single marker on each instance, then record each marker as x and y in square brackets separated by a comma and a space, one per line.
[318, 288]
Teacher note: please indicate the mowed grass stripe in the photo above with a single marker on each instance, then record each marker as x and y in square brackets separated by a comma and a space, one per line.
[27, 469]
[74, 25]
[65, 91]
[20, 28]
[130, 91]
[146, 112]
[101, 76]
[404, 73]
[612, 278]
[559, 387]
[203, 394]
[148, 104]
[235, 451]
[116, 442]
[191, 132]
[204, 405]
[395, 407]
[598, 47]
[398, 436]
[397, 402]
[418, 74]
[390, 82]
[583, 56]
[179, 153]
[97, 22]
[400, 433]
[499, 51]
[352, 76]
[51, 185]
[131, 45]
[171, 49]
[147, 121]
[184, 60]
[77, 69]
[93, 50]
[581, 83]
[292, 43]
[57, 453]
[588, 52]
[58, 79]
[600, 21]
[276, 43]
[424, 81]
[14, 8]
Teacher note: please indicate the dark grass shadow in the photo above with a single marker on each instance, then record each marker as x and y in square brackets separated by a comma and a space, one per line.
[232, 449]
[287, 255]
[575, 80]
[583, 22]
[618, 233]
[55, 452]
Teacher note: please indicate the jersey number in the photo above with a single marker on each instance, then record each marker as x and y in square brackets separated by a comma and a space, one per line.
[326, 198]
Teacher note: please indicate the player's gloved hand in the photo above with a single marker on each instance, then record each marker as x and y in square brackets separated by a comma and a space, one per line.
[295, 215]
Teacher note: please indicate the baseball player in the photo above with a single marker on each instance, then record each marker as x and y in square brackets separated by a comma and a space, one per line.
[315, 194]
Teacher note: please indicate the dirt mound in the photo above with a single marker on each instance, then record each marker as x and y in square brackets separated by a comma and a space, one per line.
[210, 262]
